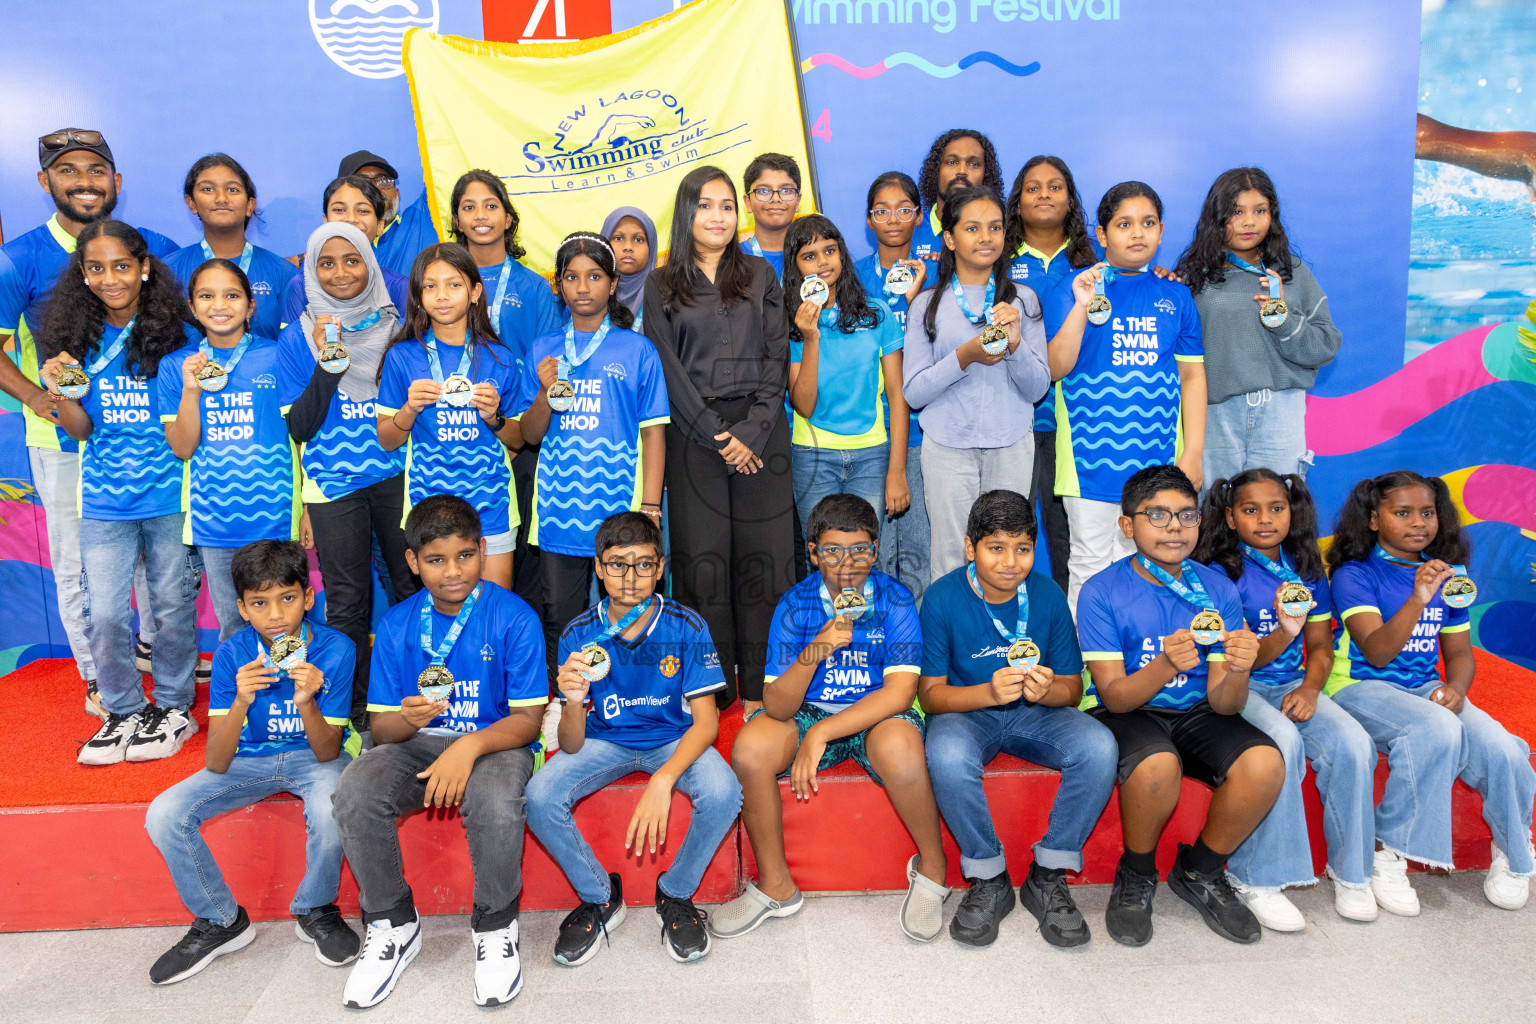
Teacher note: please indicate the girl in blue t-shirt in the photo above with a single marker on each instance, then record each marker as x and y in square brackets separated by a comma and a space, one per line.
[844, 364]
[116, 313]
[1399, 583]
[446, 385]
[223, 416]
[1261, 528]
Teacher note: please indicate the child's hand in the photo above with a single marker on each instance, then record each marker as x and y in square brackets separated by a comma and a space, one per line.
[195, 362]
[447, 776]
[319, 332]
[1037, 683]
[837, 633]
[1291, 624]
[569, 680]
[1429, 578]
[919, 275]
[486, 400]
[802, 776]
[308, 680]
[1263, 296]
[897, 498]
[1007, 685]
[1241, 647]
[648, 825]
[1164, 274]
[48, 373]
[1447, 697]
[808, 320]
[549, 372]
[972, 352]
[418, 711]
[1083, 285]
[253, 677]
[1006, 316]
[1300, 704]
[1190, 463]
[1181, 650]
[422, 394]
[306, 532]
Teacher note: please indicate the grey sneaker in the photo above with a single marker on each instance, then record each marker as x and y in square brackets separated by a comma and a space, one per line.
[922, 912]
[749, 910]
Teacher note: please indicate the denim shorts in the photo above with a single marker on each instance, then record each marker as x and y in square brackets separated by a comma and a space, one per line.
[841, 749]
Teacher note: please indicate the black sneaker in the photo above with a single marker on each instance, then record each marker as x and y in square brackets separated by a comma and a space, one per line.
[982, 910]
[335, 941]
[1045, 894]
[683, 930]
[142, 653]
[1216, 900]
[582, 927]
[1129, 915]
[196, 950]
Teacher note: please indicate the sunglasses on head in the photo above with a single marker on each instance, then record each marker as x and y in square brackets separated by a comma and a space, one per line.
[56, 141]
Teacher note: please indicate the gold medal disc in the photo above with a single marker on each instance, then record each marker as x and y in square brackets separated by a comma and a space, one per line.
[1273, 312]
[849, 604]
[993, 339]
[1098, 309]
[1459, 592]
[1023, 653]
[212, 377]
[561, 395]
[458, 390]
[1207, 627]
[1295, 599]
[435, 683]
[73, 382]
[334, 357]
[598, 662]
[287, 650]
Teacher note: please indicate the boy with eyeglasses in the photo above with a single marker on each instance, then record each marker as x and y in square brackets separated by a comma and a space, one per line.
[637, 680]
[844, 653]
[772, 196]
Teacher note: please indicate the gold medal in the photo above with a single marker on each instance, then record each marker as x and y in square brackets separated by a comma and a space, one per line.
[898, 279]
[72, 382]
[849, 604]
[1295, 599]
[288, 651]
[212, 377]
[598, 662]
[458, 390]
[334, 357]
[993, 339]
[814, 290]
[1023, 653]
[561, 395]
[1098, 309]
[1459, 591]
[1207, 627]
[1272, 312]
[435, 683]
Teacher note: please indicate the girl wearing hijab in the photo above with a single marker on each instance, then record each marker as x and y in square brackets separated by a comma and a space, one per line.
[354, 490]
[632, 235]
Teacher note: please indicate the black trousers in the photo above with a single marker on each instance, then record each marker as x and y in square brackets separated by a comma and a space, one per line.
[732, 544]
[1053, 511]
[344, 530]
[567, 583]
[526, 581]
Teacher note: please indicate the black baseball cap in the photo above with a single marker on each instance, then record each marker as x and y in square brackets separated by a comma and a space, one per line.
[353, 162]
[55, 144]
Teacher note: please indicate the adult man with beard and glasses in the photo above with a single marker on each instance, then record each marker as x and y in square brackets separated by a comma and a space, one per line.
[959, 158]
[406, 232]
[78, 172]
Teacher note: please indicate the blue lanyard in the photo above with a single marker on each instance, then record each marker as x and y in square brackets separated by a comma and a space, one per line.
[1257, 271]
[332, 335]
[573, 359]
[869, 597]
[1022, 630]
[111, 351]
[639, 327]
[244, 262]
[466, 357]
[753, 246]
[1188, 587]
[212, 353]
[440, 655]
[628, 619]
[1280, 570]
[965, 307]
[1381, 552]
[502, 280]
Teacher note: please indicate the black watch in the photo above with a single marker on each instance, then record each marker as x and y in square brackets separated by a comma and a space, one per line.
[501, 421]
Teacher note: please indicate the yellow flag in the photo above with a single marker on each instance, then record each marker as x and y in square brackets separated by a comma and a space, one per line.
[577, 129]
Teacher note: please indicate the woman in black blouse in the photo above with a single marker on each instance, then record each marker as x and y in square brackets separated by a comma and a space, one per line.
[716, 315]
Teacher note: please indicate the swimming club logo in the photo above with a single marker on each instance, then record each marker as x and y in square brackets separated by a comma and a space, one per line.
[487, 652]
[1166, 306]
[264, 380]
[615, 370]
[670, 665]
[365, 36]
[621, 136]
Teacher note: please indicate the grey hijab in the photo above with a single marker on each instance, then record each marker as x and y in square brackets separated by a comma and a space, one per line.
[360, 381]
[632, 286]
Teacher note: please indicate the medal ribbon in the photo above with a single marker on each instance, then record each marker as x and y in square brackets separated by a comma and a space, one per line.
[502, 280]
[628, 619]
[753, 246]
[332, 335]
[1381, 552]
[573, 359]
[1022, 631]
[208, 350]
[466, 357]
[965, 307]
[1280, 570]
[440, 655]
[112, 351]
[869, 597]
[1258, 271]
[1188, 586]
[244, 262]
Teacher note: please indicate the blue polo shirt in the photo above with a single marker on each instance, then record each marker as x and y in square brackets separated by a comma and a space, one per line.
[403, 239]
[1375, 584]
[1257, 587]
[872, 275]
[1043, 274]
[528, 310]
[851, 411]
[886, 639]
[272, 722]
[960, 640]
[268, 273]
[928, 238]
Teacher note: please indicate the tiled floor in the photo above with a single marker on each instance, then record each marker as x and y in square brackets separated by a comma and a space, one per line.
[845, 960]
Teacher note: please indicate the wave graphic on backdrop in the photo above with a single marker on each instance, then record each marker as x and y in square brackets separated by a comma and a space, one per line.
[927, 67]
[364, 36]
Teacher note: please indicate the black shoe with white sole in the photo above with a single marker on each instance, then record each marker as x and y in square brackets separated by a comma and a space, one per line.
[683, 930]
[335, 941]
[197, 949]
[584, 929]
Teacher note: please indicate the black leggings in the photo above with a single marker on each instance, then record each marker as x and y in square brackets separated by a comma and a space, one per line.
[1053, 511]
[567, 593]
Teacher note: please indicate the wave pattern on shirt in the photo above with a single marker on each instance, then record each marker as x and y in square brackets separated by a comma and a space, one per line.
[349, 451]
[476, 473]
[582, 481]
[1123, 433]
[120, 469]
[248, 484]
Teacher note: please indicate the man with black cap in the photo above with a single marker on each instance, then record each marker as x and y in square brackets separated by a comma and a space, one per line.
[79, 174]
[405, 233]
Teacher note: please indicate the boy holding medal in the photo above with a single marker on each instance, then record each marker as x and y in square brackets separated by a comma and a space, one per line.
[277, 716]
[1002, 672]
[1169, 655]
[457, 691]
[843, 657]
[648, 670]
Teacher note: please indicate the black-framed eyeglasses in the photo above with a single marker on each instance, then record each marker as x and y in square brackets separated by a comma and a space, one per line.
[642, 567]
[902, 214]
[1161, 517]
[833, 554]
[55, 141]
[764, 194]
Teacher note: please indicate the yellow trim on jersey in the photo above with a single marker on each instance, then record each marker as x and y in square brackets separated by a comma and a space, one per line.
[1346, 613]
[1456, 629]
[1025, 249]
[528, 702]
[223, 711]
[66, 241]
[1215, 657]
[1188, 359]
[1103, 656]
[335, 721]
[383, 707]
[1324, 617]
[914, 669]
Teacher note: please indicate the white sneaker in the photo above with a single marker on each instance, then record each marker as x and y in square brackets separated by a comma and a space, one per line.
[1389, 884]
[549, 729]
[162, 731]
[1354, 904]
[1502, 888]
[498, 970]
[110, 743]
[388, 950]
[1272, 907]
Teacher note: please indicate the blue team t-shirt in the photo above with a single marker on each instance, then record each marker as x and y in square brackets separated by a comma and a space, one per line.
[497, 662]
[295, 301]
[1118, 410]
[410, 232]
[886, 639]
[642, 703]
[1378, 585]
[454, 451]
[268, 273]
[589, 460]
[1043, 274]
[241, 484]
[872, 275]
[851, 411]
[928, 238]
[344, 456]
[528, 310]
[1122, 615]
[272, 722]
[127, 468]
[961, 642]
[1257, 586]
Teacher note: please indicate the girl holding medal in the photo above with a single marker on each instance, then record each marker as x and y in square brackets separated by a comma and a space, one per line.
[1267, 327]
[594, 399]
[1262, 529]
[446, 385]
[223, 417]
[974, 363]
[1397, 549]
[222, 196]
[115, 315]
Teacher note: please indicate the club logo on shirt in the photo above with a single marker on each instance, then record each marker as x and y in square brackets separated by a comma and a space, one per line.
[264, 380]
[995, 651]
[611, 706]
[615, 370]
[365, 36]
[670, 665]
[1019, 272]
[487, 652]
[1165, 306]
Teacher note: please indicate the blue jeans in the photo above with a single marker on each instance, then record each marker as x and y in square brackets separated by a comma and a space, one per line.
[1277, 853]
[221, 587]
[1427, 747]
[819, 472]
[1262, 428]
[960, 744]
[565, 778]
[109, 551]
[904, 538]
[177, 814]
